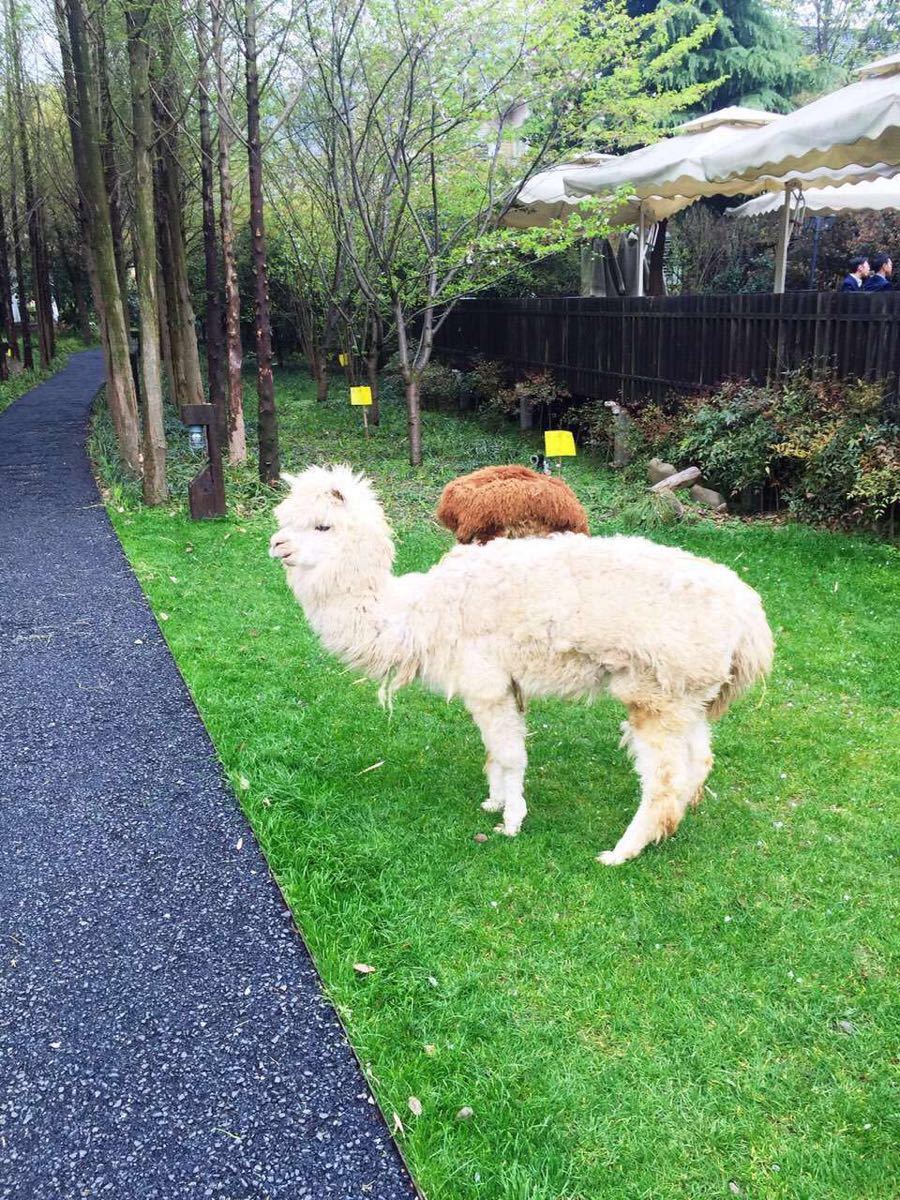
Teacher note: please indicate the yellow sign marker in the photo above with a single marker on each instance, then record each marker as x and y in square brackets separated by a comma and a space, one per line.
[363, 396]
[342, 359]
[559, 443]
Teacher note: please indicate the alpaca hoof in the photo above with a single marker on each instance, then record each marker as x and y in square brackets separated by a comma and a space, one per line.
[490, 805]
[507, 831]
[614, 858]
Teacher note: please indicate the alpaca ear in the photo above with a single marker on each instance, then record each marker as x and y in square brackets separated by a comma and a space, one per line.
[339, 496]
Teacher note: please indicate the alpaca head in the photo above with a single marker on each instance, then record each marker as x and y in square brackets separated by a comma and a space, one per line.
[337, 526]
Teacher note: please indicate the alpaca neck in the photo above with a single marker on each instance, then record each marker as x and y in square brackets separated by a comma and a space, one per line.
[359, 620]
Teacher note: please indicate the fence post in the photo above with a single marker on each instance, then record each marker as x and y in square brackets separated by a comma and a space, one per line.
[622, 423]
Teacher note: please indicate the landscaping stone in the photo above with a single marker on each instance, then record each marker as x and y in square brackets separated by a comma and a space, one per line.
[164, 1032]
[657, 470]
[708, 497]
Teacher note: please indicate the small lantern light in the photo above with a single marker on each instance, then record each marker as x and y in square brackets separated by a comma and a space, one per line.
[206, 491]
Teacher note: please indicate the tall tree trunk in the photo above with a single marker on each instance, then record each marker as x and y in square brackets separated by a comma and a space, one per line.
[182, 321]
[6, 309]
[77, 278]
[318, 367]
[40, 278]
[82, 211]
[163, 321]
[110, 170]
[121, 392]
[215, 333]
[411, 379]
[167, 295]
[237, 442]
[144, 237]
[75, 272]
[269, 465]
[374, 347]
[21, 290]
[414, 419]
[656, 285]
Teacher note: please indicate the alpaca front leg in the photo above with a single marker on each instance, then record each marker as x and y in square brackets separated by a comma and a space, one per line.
[662, 755]
[495, 801]
[502, 729]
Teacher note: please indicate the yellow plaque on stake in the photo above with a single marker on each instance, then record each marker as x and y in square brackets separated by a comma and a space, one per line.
[361, 395]
[342, 360]
[559, 443]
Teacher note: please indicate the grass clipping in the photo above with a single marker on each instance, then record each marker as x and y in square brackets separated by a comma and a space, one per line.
[655, 510]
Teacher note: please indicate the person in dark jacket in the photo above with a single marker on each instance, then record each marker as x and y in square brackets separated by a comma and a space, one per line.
[882, 269]
[858, 271]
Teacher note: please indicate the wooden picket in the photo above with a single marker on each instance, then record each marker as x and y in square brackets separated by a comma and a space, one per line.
[641, 349]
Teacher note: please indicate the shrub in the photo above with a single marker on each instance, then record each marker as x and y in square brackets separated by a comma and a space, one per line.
[440, 386]
[820, 443]
[485, 381]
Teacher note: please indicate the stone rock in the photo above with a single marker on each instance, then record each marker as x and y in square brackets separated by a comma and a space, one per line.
[679, 479]
[708, 497]
[657, 470]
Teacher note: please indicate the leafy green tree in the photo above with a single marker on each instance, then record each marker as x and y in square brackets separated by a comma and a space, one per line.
[756, 57]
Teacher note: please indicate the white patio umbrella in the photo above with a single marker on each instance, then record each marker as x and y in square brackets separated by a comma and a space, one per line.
[873, 195]
[667, 176]
[849, 135]
[673, 166]
[543, 199]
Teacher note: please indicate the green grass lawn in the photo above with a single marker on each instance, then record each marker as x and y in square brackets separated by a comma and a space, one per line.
[719, 1017]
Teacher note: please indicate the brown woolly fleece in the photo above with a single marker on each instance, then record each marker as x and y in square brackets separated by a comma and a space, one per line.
[509, 501]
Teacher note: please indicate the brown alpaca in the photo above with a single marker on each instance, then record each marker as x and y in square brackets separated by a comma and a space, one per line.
[512, 502]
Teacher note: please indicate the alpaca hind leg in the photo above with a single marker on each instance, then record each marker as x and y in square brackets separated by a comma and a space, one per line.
[701, 759]
[661, 751]
[502, 729]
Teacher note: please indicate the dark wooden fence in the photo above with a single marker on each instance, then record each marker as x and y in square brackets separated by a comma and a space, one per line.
[640, 349]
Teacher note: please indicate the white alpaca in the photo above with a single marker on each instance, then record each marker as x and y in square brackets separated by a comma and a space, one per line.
[674, 637]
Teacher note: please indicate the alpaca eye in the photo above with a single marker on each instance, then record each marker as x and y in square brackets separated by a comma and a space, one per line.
[322, 528]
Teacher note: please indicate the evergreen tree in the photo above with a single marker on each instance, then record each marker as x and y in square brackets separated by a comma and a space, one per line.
[755, 51]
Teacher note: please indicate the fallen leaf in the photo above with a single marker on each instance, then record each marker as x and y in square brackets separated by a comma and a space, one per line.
[397, 1128]
[163, 616]
[846, 1027]
[363, 969]
[245, 783]
[734, 1189]
[429, 1049]
[239, 843]
[465, 1113]
[415, 1106]
[481, 837]
[374, 767]
[432, 981]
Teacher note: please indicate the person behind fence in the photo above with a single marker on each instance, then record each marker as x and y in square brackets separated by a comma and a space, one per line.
[882, 269]
[858, 271]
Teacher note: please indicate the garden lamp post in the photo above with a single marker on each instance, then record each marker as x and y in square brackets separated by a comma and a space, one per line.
[206, 491]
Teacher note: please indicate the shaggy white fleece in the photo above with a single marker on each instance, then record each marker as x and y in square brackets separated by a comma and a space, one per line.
[673, 637]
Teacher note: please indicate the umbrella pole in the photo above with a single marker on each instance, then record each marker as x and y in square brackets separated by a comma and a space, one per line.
[784, 237]
[642, 250]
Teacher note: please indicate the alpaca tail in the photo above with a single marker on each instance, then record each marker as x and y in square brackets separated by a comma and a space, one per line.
[752, 660]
